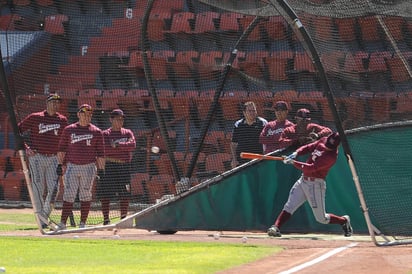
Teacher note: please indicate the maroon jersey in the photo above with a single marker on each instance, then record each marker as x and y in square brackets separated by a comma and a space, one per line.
[82, 145]
[294, 135]
[45, 131]
[270, 135]
[320, 161]
[119, 144]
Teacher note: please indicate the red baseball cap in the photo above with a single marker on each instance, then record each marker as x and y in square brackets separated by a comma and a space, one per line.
[85, 108]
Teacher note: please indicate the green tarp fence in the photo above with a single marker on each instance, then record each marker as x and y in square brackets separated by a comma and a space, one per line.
[251, 199]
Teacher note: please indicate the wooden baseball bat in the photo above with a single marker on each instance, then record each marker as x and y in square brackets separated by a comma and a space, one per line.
[249, 155]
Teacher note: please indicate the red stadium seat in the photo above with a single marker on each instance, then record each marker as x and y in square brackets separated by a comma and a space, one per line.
[229, 21]
[244, 22]
[182, 22]
[54, 24]
[206, 22]
[276, 28]
[346, 29]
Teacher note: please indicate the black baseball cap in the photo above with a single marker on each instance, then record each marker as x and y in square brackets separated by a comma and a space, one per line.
[85, 108]
[281, 105]
[117, 112]
[53, 96]
[303, 113]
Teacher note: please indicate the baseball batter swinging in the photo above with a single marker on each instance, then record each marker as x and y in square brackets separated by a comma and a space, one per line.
[311, 186]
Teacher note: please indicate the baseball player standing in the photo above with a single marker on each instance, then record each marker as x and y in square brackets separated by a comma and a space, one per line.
[115, 184]
[42, 131]
[303, 132]
[311, 186]
[81, 148]
[270, 135]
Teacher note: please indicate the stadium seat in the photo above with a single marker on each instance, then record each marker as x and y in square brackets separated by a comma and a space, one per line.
[399, 69]
[137, 184]
[346, 28]
[155, 29]
[12, 185]
[333, 61]
[182, 22]
[303, 63]
[229, 22]
[159, 185]
[254, 63]
[210, 62]
[244, 22]
[8, 21]
[54, 24]
[356, 62]
[323, 28]
[277, 65]
[395, 26]
[206, 22]
[184, 63]
[218, 162]
[276, 28]
[231, 103]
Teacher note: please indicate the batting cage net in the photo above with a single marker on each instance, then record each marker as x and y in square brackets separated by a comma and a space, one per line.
[181, 73]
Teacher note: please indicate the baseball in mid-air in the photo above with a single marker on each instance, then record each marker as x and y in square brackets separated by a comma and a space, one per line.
[155, 149]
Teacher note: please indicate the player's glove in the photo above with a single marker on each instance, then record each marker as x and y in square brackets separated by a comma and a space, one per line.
[59, 170]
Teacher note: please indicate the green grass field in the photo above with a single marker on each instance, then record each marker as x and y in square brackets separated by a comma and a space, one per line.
[79, 255]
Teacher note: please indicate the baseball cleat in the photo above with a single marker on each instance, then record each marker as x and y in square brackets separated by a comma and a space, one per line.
[61, 226]
[347, 228]
[274, 231]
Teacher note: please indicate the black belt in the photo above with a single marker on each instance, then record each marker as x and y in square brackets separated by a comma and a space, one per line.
[117, 161]
[311, 179]
[47, 155]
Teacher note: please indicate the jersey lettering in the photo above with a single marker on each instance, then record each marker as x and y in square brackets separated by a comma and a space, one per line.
[43, 128]
[274, 131]
[78, 138]
[316, 153]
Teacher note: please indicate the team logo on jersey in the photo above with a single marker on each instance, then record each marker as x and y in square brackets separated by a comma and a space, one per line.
[78, 138]
[275, 131]
[43, 128]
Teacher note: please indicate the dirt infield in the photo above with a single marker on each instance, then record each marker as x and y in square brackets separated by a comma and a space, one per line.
[308, 253]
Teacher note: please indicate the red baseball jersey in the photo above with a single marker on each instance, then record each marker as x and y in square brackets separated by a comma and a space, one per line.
[45, 131]
[270, 135]
[119, 144]
[82, 144]
[320, 161]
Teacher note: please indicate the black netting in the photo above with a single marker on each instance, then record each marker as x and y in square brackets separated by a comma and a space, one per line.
[180, 71]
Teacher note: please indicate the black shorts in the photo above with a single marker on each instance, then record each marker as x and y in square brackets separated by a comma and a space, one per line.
[116, 181]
